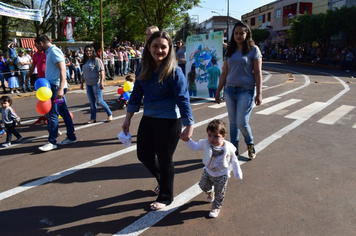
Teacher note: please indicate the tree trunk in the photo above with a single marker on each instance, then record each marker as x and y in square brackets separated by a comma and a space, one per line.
[4, 35]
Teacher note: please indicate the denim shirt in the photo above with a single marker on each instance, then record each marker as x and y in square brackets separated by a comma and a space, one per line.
[169, 99]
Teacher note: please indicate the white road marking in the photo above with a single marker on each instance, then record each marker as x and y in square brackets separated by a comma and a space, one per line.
[354, 126]
[140, 226]
[336, 115]
[278, 107]
[153, 217]
[305, 111]
[217, 106]
[269, 99]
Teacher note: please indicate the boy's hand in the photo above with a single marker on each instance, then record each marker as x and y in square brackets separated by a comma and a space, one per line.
[19, 124]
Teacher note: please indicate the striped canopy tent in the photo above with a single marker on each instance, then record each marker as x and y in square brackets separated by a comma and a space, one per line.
[28, 43]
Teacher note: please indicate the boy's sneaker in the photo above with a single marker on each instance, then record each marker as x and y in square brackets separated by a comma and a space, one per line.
[47, 147]
[66, 141]
[6, 144]
[214, 212]
[11, 92]
[2, 133]
[210, 197]
[18, 140]
[251, 151]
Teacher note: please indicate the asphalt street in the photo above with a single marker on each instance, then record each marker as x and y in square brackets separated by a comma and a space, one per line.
[301, 182]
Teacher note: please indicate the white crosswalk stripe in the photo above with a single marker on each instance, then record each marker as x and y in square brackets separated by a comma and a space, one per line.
[305, 111]
[329, 119]
[336, 115]
[278, 107]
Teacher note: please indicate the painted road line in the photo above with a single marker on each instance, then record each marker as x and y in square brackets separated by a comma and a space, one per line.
[305, 111]
[278, 107]
[336, 115]
[61, 174]
[354, 126]
[144, 223]
[269, 99]
[217, 106]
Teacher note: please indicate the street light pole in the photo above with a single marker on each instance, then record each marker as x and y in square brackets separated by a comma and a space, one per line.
[227, 22]
[216, 12]
[101, 29]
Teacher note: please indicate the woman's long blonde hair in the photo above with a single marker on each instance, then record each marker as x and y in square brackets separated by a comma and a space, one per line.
[148, 64]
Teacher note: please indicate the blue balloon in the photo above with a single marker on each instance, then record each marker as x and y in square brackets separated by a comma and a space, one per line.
[41, 82]
[126, 95]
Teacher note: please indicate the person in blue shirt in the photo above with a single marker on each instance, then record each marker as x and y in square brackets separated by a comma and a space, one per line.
[12, 52]
[3, 64]
[163, 87]
[55, 72]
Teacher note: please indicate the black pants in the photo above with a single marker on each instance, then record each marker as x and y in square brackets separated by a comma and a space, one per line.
[159, 137]
[10, 129]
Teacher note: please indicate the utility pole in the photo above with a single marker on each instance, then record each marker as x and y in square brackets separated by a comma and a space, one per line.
[227, 22]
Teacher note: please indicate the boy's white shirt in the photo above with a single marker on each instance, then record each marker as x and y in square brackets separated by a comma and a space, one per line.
[230, 159]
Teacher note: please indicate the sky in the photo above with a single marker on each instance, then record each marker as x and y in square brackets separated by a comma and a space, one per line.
[237, 8]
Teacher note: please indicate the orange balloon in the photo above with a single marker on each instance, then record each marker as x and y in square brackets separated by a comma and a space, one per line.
[43, 107]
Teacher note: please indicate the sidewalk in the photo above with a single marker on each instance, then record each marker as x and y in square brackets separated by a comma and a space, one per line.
[118, 80]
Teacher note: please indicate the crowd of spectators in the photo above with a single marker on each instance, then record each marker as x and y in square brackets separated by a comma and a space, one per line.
[337, 56]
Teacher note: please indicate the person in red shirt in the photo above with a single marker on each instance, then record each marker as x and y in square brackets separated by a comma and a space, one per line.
[39, 64]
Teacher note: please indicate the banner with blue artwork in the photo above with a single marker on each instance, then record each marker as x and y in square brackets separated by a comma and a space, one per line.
[204, 61]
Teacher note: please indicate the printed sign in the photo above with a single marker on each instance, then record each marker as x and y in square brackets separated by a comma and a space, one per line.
[203, 52]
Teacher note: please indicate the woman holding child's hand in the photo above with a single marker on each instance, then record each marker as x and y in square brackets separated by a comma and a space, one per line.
[163, 87]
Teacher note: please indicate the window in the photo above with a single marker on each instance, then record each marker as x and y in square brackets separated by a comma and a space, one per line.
[253, 21]
[278, 13]
[269, 17]
[264, 18]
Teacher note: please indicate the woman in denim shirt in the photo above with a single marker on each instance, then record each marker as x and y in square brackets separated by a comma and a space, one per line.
[163, 87]
[241, 74]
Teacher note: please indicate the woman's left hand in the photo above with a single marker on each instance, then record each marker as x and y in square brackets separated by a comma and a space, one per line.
[258, 100]
[101, 86]
[187, 133]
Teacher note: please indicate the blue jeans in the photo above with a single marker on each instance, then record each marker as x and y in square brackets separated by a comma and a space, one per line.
[2, 79]
[212, 93]
[239, 103]
[126, 64]
[119, 68]
[77, 74]
[56, 110]
[67, 74]
[95, 96]
[23, 74]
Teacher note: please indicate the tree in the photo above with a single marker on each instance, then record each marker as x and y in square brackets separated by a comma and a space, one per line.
[140, 14]
[187, 29]
[259, 35]
[88, 13]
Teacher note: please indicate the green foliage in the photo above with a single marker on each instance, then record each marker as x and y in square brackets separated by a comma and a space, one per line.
[136, 15]
[260, 35]
[186, 30]
[320, 27]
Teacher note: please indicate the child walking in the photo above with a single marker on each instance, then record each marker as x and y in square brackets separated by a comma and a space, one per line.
[218, 156]
[10, 120]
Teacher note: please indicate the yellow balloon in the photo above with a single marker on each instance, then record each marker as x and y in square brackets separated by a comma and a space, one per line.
[127, 86]
[44, 93]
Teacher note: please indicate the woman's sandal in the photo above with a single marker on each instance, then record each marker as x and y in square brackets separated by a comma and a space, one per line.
[109, 119]
[91, 121]
[156, 190]
[157, 206]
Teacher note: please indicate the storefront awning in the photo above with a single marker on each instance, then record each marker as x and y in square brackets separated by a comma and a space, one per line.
[28, 43]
